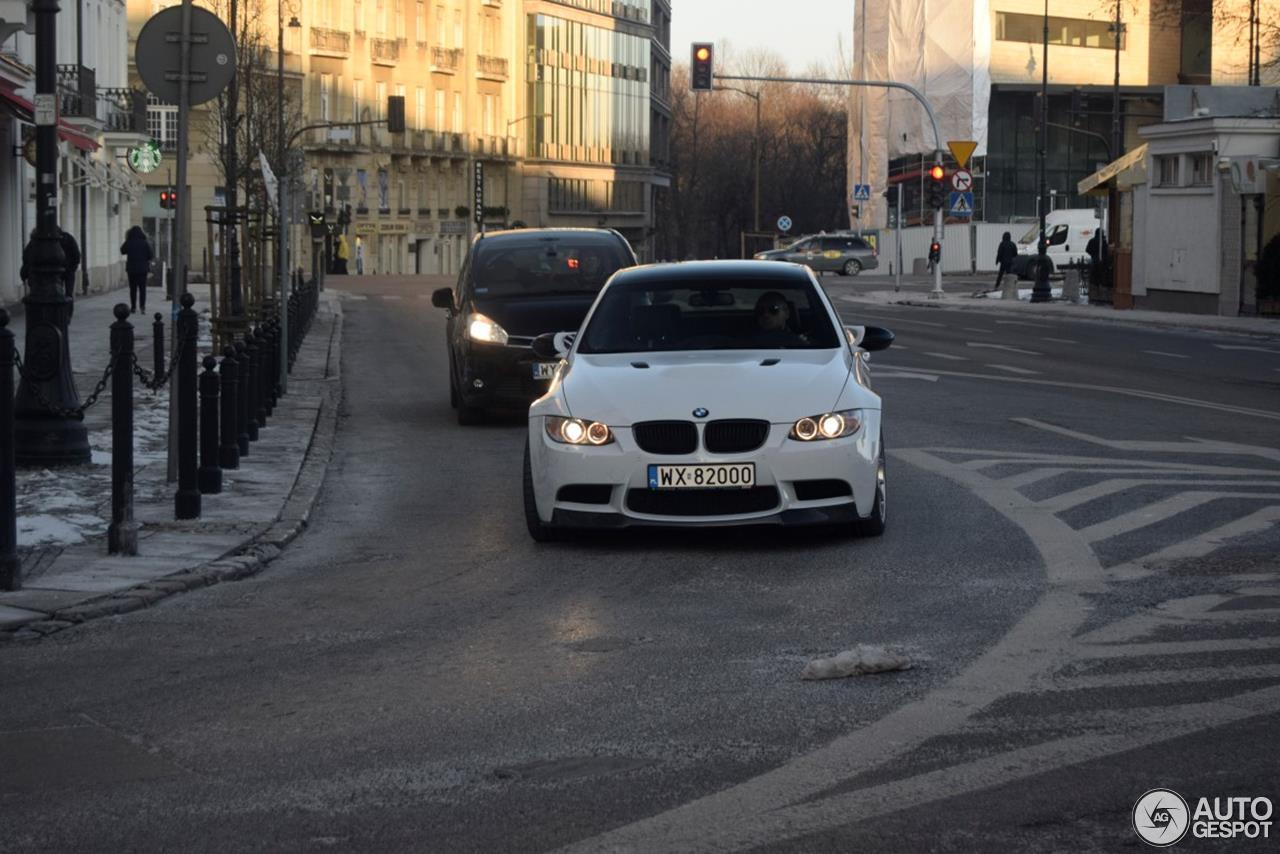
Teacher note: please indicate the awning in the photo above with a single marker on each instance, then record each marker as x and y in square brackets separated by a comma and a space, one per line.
[25, 111]
[1095, 184]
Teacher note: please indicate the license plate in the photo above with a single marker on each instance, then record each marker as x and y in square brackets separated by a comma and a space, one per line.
[703, 476]
[543, 370]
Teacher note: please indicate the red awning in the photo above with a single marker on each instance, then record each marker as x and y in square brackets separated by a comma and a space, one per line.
[25, 111]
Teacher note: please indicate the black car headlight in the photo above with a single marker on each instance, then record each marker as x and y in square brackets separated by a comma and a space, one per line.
[828, 425]
[485, 331]
[577, 431]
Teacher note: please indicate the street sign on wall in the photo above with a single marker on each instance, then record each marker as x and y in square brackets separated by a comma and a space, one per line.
[479, 212]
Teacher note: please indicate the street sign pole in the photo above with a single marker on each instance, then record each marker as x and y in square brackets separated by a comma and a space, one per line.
[182, 256]
[897, 279]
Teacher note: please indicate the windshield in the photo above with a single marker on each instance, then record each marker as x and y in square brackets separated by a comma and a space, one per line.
[644, 315]
[1031, 236]
[544, 265]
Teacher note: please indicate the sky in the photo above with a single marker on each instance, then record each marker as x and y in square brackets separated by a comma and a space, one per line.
[801, 31]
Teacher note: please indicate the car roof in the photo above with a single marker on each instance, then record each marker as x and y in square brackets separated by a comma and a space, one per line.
[686, 271]
[526, 233]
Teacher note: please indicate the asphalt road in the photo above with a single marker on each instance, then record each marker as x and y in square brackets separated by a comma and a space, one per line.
[1080, 564]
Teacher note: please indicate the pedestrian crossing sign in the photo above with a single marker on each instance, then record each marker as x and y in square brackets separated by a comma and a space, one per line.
[961, 204]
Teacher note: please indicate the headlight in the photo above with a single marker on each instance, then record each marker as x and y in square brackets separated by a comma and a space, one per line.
[760, 256]
[828, 425]
[481, 328]
[576, 431]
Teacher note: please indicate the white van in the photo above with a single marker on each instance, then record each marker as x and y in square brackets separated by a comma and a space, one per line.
[1068, 233]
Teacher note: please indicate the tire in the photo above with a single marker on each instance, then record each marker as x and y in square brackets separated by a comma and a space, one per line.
[852, 267]
[874, 525]
[540, 531]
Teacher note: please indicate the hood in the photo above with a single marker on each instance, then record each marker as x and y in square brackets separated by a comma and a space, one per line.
[728, 384]
[529, 316]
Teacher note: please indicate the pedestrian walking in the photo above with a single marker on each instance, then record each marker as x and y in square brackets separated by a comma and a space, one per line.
[1097, 251]
[137, 265]
[341, 255]
[1004, 257]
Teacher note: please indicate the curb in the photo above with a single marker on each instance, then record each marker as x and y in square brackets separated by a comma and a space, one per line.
[249, 559]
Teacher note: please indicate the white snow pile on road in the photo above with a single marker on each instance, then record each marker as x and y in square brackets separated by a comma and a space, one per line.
[859, 661]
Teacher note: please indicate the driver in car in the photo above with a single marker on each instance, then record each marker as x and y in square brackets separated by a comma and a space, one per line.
[774, 327]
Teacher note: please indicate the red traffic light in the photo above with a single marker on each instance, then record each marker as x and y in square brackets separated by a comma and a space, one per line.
[937, 173]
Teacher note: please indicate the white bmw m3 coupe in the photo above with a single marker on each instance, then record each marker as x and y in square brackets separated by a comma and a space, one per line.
[707, 393]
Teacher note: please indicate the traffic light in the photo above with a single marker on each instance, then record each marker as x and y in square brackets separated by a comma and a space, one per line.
[700, 76]
[395, 113]
[937, 187]
[935, 252]
[168, 199]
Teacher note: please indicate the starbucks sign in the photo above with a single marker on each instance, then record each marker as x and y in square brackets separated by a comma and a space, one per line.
[145, 158]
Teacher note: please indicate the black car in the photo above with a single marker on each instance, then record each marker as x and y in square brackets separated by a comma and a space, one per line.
[514, 286]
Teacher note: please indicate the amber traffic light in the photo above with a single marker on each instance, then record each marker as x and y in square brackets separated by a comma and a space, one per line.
[937, 187]
[700, 71]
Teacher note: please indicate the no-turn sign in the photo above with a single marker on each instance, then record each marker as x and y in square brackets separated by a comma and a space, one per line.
[962, 180]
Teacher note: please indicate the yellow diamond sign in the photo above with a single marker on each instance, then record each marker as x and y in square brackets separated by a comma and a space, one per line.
[962, 150]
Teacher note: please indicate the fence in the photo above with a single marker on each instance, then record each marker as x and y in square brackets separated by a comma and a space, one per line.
[966, 248]
[235, 396]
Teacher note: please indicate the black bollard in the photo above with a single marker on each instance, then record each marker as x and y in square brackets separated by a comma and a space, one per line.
[122, 533]
[269, 389]
[251, 388]
[277, 353]
[295, 332]
[228, 448]
[10, 565]
[210, 474]
[157, 345]
[186, 502]
[242, 398]
[260, 368]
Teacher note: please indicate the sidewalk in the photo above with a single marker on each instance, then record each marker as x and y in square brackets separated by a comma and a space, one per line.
[63, 513]
[959, 295]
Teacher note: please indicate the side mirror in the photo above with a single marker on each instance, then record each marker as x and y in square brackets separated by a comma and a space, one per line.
[875, 338]
[442, 298]
[544, 347]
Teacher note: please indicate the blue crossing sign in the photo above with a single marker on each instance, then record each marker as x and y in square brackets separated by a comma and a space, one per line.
[862, 192]
[784, 223]
[961, 204]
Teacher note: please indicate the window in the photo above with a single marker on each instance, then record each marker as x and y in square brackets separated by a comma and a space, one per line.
[162, 122]
[489, 115]
[1057, 235]
[357, 14]
[457, 112]
[457, 28]
[1167, 170]
[1202, 169]
[380, 16]
[420, 111]
[420, 22]
[440, 26]
[1073, 32]
[440, 125]
[400, 30]
[380, 96]
[326, 86]
[357, 96]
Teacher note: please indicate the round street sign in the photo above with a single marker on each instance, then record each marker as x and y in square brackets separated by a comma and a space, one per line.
[145, 158]
[158, 52]
[784, 223]
[962, 180]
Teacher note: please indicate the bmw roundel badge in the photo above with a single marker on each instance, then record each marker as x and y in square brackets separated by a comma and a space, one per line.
[700, 413]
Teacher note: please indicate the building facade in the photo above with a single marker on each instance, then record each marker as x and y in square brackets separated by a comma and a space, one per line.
[99, 120]
[980, 63]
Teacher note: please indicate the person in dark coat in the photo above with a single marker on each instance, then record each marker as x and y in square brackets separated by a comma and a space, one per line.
[1004, 257]
[137, 265]
[1097, 250]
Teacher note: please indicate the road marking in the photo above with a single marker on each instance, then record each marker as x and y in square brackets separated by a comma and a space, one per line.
[1023, 323]
[1192, 445]
[1062, 340]
[1152, 514]
[1126, 679]
[1005, 347]
[1011, 369]
[892, 319]
[898, 346]
[1246, 347]
[976, 329]
[948, 356]
[1168, 355]
[1084, 495]
[902, 375]
[1159, 648]
[391, 297]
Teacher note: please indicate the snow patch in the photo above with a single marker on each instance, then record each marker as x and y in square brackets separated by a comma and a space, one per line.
[860, 661]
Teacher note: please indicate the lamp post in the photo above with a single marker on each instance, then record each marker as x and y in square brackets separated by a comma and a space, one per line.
[42, 437]
[755, 96]
[506, 167]
[1041, 292]
[283, 195]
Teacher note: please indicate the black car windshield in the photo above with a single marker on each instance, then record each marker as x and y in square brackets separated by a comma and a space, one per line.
[541, 264]
[643, 315]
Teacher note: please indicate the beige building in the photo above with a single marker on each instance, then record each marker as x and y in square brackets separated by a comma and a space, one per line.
[563, 139]
[980, 64]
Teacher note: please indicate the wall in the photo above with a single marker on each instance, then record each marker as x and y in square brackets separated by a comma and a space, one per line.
[1019, 62]
[957, 246]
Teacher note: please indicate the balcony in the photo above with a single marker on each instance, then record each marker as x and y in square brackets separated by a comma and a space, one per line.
[77, 92]
[384, 51]
[491, 67]
[332, 42]
[446, 60]
[124, 112]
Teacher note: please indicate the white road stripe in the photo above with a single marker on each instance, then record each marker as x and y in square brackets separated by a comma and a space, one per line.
[1152, 514]
[1166, 677]
[1023, 323]
[976, 329]
[1062, 340]
[1246, 347]
[1157, 648]
[902, 375]
[391, 297]
[1084, 495]
[1168, 355]
[1011, 369]
[948, 356]
[1005, 347]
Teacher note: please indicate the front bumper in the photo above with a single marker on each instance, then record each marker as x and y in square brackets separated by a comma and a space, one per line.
[505, 374]
[786, 472]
